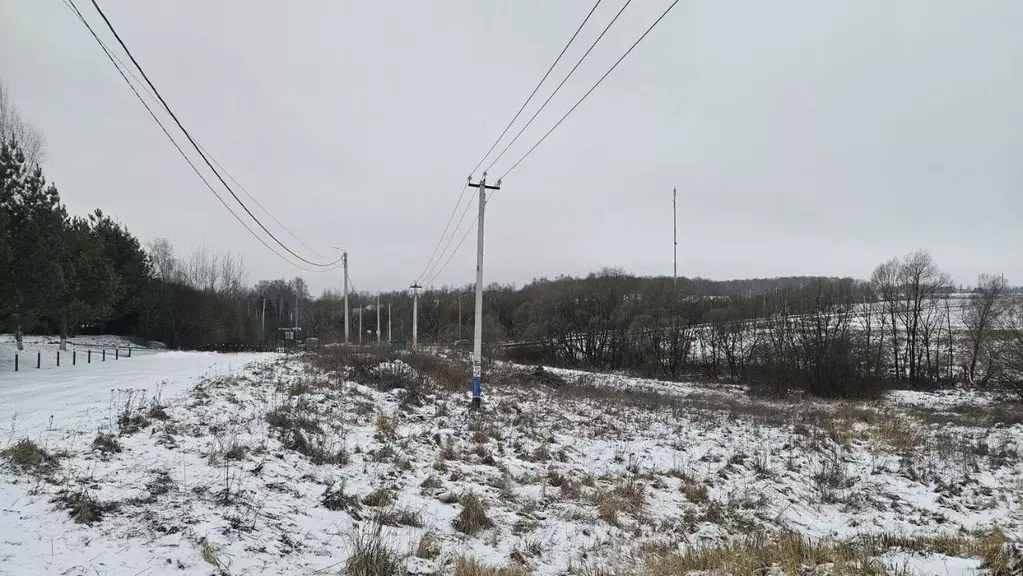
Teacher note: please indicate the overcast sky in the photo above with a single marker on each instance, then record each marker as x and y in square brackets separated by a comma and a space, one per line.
[805, 137]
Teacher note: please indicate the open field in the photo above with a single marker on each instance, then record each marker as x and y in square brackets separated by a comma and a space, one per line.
[351, 463]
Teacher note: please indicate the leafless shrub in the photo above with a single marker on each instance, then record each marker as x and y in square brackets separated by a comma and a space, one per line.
[473, 518]
[131, 416]
[106, 444]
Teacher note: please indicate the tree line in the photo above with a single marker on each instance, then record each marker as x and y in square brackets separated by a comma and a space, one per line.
[908, 325]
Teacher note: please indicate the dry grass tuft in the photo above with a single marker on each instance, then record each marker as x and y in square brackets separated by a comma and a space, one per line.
[387, 428]
[27, 457]
[542, 453]
[628, 498]
[429, 546]
[337, 500]
[82, 506]
[379, 497]
[449, 452]
[757, 554]
[473, 517]
[106, 444]
[794, 554]
[371, 556]
[470, 567]
[897, 433]
[399, 517]
[432, 482]
[696, 493]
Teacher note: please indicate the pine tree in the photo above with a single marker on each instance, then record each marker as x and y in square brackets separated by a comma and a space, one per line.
[35, 240]
[90, 286]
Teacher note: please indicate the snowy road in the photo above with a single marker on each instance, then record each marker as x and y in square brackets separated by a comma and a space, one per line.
[35, 536]
[82, 394]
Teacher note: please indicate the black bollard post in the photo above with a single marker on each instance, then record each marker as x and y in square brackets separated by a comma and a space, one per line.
[129, 347]
[74, 357]
[58, 358]
[39, 360]
[117, 353]
[89, 356]
[104, 355]
[15, 361]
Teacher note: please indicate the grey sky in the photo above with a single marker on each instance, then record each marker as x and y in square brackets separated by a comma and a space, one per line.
[805, 137]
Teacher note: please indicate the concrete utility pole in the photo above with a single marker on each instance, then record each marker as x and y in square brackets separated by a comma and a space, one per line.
[378, 319]
[263, 319]
[360, 325]
[389, 339]
[415, 315]
[344, 256]
[477, 343]
[459, 317]
[674, 235]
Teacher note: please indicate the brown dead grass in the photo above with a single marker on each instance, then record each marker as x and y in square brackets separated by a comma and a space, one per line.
[473, 517]
[470, 567]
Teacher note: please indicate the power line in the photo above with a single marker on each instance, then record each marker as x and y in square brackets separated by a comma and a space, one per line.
[556, 90]
[537, 88]
[450, 238]
[263, 208]
[445, 232]
[594, 87]
[196, 146]
[455, 251]
[114, 61]
[461, 195]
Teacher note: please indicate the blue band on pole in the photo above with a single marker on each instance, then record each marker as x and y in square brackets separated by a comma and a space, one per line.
[475, 386]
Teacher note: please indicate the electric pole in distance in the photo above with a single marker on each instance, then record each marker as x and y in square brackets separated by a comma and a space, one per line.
[344, 256]
[477, 341]
[415, 314]
[674, 236]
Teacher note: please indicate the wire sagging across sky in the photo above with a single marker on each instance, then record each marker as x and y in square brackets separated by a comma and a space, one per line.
[427, 270]
[199, 150]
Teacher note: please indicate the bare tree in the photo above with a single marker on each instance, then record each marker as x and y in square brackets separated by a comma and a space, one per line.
[982, 314]
[885, 281]
[161, 254]
[920, 281]
[1011, 326]
[14, 127]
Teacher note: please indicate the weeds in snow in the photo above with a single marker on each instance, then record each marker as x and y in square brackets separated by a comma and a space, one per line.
[470, 567]
[371, 556]
[27, 457]
[106, 444]
[473, 517]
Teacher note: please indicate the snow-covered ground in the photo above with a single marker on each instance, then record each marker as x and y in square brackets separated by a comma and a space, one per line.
[280, 468]
[48, 346]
